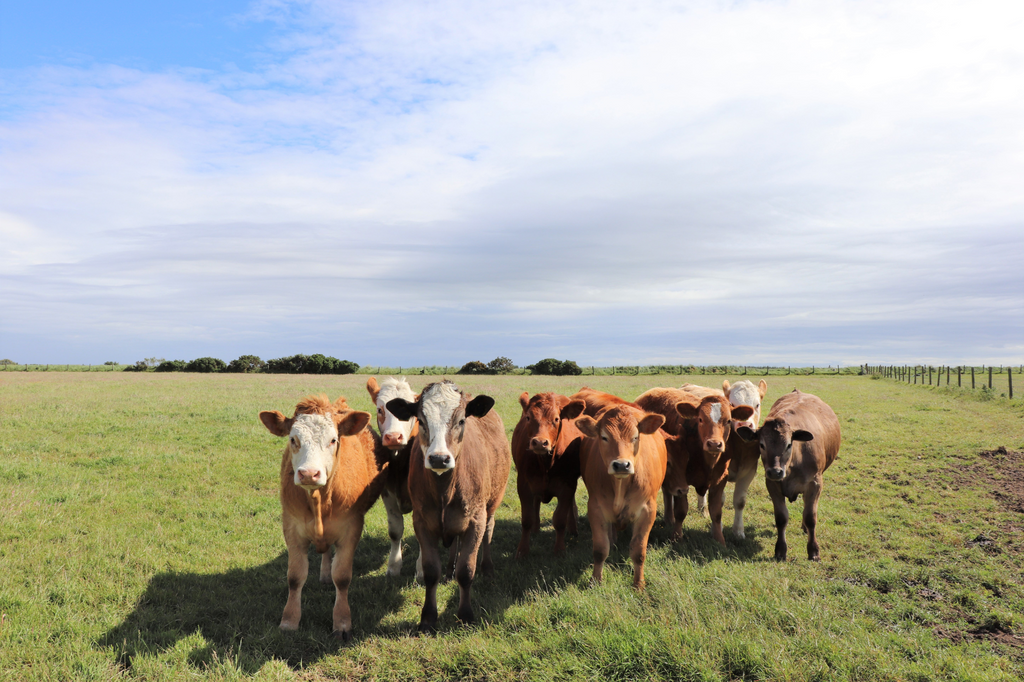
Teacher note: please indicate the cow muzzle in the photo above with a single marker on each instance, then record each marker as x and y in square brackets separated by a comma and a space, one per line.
[621, 468]
[775, 473]
[439, 464]
[540, 446]
[309, 478]
[395, 441]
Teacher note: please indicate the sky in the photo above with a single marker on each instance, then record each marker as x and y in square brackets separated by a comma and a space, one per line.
[416, 183]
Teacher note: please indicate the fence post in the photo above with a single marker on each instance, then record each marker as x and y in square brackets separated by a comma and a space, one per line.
[959, 371]
[1009, 379]
[990, 377]
[972, 378]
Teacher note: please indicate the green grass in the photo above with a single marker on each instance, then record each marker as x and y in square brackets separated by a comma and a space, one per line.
[140, 539]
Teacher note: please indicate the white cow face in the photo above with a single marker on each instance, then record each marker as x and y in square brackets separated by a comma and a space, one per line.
[394, 433]
[745, 393]
[313, 444]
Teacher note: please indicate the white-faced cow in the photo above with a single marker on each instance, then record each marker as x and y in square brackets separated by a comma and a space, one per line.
[330, 477]
[457, 476]
[396, 437]
[743, 456]
[798, 441]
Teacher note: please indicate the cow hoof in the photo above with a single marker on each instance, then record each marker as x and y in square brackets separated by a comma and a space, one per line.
[395, 571]
[466, 616]
[426, 628]
[343, 635]
[780, 557]
[814, 557]
[288, 627]
[739, 535]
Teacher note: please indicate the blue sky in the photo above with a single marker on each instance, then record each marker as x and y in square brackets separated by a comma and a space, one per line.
[436, 182]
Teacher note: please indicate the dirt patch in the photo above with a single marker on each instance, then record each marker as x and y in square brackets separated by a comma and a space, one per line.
[1005, 475]
[981, 634]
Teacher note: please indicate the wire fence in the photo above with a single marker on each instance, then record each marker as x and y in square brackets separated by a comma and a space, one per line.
[990, 379]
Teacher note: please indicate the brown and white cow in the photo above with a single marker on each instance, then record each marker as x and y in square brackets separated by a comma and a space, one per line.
[798, 441]
[700, 427]
[331, 475]
[546, 450]
[701, 392]
[743, 456]
[457, 476]
[623, 460]
[396, 438]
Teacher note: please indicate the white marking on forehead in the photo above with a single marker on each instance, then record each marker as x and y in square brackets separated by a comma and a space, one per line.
[392, 388]
[716, 412]
[438, 407]
[744, 393]
[314, 428]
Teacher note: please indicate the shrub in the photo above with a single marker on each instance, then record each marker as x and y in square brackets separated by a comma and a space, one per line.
[247, 364]
[140, 366]
[310, 364]
[5, 361]
[171, 366]
[501, 365]
[475, 367]
[550, 366]
[206, 365]
[111, 362]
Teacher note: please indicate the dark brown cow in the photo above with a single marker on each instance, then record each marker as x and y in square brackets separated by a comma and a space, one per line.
[700, 428]
[623, 460]
[457, 476]
[799, 440]
[546, 450]
[331, 475]
[396, 440]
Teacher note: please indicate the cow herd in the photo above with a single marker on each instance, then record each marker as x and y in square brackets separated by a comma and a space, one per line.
[443, 455]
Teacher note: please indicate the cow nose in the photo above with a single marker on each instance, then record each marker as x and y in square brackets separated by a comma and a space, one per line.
[620, 466]
[308, 475]
[540, 444]
[714, 446]
[775, 474]
[439, 461]
[392, 439]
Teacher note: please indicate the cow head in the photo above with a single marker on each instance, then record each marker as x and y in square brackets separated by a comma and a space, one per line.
[394, 433]
[313, 434]
[617, 434]
[714, 417]
[745, 393]
[775, 439]
[542, 419]
[442, 410]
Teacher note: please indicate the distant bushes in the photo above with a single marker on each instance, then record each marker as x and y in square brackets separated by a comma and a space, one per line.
[311, 364]
[553, 367]
[251, 364]
[247, 364]
[171, 366]
[499, 365]
[206, 365]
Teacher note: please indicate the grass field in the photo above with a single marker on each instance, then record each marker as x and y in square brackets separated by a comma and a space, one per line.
[140, 539]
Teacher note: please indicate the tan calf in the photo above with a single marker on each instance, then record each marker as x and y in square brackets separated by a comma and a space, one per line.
[623, 459]
[799, 440]
[330, 477]
[743, 456]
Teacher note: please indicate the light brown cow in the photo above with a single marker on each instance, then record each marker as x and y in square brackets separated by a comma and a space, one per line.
[546, 450]
[799, 440]
[743, 456]
[623, 459]
[701, 392]
[330, 476]
[596, 401]
[396, 438]
[700, 428]
[457, 476]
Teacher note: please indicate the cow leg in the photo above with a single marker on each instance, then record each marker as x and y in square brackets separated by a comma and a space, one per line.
[574, 513]
[669, 506]
[419, 568]
[430, 560]
[465, 569]
[530, 512]
[341, 573]
[638, 545]
[453, 555]
[396, 529]
[298, 570]
[486, 565]
[739, 498]
[601, 537]
[716, 499]
[702, 505]
[325, 568]
[811, 495]
[563, 516]
[781, 517]
[680, 508]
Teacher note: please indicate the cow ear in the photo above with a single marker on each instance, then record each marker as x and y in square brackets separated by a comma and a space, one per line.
[742, 412]
[650, 423]
[802, 435]
[762, 388]
[373, 388]
[748, 434]
[276, 423]
[687, 409]
[572, 409]
[479, 406]
[402, 408]
[524, 400]
[725, 387]
[587, 426]
[353, 422]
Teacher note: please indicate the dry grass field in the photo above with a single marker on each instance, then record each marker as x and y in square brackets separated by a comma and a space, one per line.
[140, 539]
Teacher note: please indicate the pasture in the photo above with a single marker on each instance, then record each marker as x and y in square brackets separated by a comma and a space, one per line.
[140, 539]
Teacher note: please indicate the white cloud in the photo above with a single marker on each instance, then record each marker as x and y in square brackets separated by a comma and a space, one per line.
[536, 170]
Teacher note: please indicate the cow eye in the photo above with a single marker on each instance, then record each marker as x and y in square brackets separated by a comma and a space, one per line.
[462, 422]
[604, 438]
[380, 410]
[334, 441]
[295, 443]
